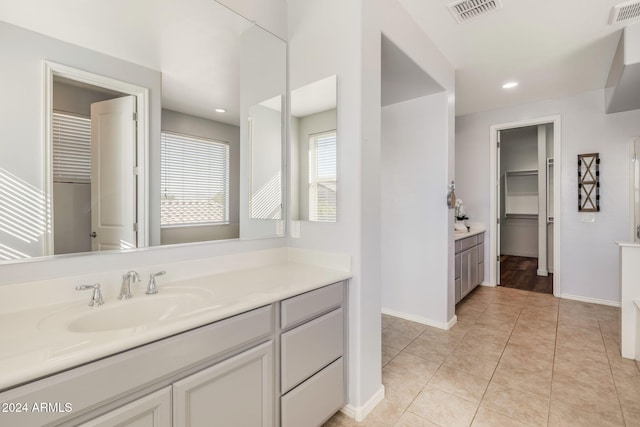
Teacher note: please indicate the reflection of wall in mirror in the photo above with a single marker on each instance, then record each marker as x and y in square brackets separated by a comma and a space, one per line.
[301, 130]
[266, 162]
[263, 75]
[22, 52]
[209, 129]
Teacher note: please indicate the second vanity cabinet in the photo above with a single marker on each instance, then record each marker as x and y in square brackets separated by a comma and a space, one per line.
[281, 364]
[469, 264]
[312, 342]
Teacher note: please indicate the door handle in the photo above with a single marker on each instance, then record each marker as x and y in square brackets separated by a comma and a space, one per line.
[94, 235]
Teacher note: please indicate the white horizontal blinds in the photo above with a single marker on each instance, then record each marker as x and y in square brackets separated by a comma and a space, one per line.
[322, 177]
[194, 180]
[71, 148]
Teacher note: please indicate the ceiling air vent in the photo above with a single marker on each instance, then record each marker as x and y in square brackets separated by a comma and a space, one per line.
[465, 10]
[624, 12]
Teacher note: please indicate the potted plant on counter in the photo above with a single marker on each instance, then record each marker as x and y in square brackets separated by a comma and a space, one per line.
[461, 216]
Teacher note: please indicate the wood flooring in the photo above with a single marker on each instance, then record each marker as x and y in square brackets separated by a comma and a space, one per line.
[521, 273]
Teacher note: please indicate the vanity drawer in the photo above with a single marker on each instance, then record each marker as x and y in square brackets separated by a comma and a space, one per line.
[481, 237]
[457, 246]
[304, 307]
[319, 396]
[308, 348]
[468, 242]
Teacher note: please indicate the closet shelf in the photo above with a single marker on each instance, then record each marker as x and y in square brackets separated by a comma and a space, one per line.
[521, 193]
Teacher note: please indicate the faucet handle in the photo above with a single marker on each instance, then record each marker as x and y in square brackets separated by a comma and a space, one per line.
[152, 288]
[96, 296]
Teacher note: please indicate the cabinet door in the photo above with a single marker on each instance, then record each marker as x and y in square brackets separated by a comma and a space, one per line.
[469, 271]
[153, 410]
[236, 392]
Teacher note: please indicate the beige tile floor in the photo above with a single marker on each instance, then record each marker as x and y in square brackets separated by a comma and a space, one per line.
[515, 358]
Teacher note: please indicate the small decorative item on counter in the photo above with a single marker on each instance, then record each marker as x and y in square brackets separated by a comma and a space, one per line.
[460, 216]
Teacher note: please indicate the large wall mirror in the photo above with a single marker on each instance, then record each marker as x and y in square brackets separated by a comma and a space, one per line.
[131, 120]
[314, 155]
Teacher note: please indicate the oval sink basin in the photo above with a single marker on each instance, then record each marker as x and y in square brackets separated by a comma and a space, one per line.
[141, 310]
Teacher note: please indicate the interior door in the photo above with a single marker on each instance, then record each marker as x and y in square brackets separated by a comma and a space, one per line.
[113, 178]
[498, 209]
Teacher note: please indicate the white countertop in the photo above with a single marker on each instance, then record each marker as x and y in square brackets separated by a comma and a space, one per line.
[30, 350]
[461, 235]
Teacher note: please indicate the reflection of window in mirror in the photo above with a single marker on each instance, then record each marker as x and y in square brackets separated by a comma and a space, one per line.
[194, 181]
[313, 140]
[322, 177]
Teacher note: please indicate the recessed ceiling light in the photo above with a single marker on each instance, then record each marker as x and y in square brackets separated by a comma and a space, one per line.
[509, 85]
[221, 110]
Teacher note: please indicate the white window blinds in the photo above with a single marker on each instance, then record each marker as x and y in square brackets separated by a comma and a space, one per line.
[194, 180]
[322, 177]
[71, 148]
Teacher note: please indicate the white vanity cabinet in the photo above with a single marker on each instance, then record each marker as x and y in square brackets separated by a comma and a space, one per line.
[226, 360]
[153, 410]
[281, 364]
[312, 368]
[235, 392]
[469, 264]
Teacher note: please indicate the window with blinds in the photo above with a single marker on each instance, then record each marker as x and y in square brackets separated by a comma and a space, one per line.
[71, 148]
[322, 177]
[194, 180]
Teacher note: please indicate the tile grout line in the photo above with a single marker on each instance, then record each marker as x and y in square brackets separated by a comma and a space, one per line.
[613, 377]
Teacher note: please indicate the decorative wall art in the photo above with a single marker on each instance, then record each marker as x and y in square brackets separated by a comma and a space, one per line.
[589, 182]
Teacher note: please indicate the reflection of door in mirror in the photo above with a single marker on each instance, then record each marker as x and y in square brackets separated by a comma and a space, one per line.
[313, 133]
[94, 188]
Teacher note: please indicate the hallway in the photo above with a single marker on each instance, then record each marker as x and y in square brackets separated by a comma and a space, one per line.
[514, 358]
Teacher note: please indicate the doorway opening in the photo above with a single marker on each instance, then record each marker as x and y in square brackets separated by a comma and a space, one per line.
[95, 164]
[525, 201]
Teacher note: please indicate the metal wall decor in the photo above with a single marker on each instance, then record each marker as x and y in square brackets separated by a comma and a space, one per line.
[589, 182]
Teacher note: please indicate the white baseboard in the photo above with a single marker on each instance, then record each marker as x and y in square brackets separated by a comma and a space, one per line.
[360, 412]
[452, 322]
[542, 273]
[490, 285]
[591, 300]
[419, 319]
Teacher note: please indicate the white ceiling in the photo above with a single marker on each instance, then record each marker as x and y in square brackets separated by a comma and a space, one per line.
[553, 48]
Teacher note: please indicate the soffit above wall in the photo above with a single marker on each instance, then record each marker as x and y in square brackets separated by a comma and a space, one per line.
[403, 79]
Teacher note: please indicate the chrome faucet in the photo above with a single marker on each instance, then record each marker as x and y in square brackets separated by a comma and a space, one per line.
[96, 295]
[125, 289]
[152, 288]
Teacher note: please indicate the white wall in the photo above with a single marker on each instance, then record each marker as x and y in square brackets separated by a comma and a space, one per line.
[414, 224]
[518, 151]
[589, 259]
[402, 31]
[314, 54]
[352, 51]
[174, 121]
